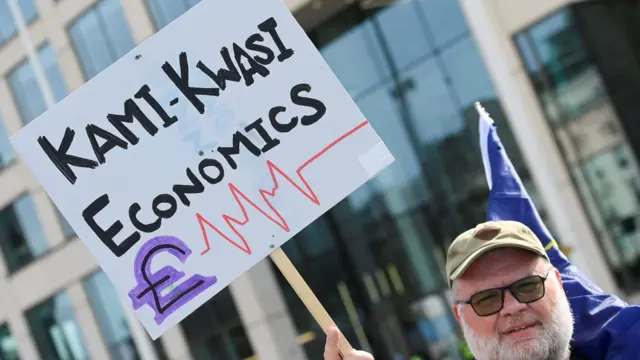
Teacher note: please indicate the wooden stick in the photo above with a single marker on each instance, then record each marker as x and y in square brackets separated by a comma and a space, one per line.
[306, 295]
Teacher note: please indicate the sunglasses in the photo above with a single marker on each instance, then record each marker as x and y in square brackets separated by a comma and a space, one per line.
[491, 301]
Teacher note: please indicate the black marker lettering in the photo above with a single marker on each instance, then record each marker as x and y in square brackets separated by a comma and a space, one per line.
[270, 142]
[205, 163]
[196, 187]
[278, 126]
[182, 83]
[238, 138]
[164, 199]
[229, 74]
[106, 236]
[254, 66]
[318, 105]
[145, 93]
[252, 44]
[61, 159]
[269, 26]
[134, 209]
[111, 141]
[131, 110]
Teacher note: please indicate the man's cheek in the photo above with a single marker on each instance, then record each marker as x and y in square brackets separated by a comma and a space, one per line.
[484, 326]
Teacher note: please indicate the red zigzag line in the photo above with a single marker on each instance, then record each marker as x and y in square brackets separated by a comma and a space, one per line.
[279, 220]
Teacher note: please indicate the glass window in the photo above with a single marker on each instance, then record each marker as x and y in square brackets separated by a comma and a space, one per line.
[435, 115]
[446, 20]
[405, 33]
[21, 237]
[111, 318]
[8, 345]
[225, 339]
[469, 77]
[56, 331]
[66, 227]
[8, 27]
[400, 186]
[589, 132]
[165, 11]
[557, 60]
[7, 156]
[68, 231]
[101, 36]
[25, 89]
[355, 58]
[313, 241]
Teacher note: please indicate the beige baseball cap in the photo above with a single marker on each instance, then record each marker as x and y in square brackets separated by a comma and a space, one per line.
[472, 244]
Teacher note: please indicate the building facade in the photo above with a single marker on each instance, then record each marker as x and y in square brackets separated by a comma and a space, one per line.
[563, 107]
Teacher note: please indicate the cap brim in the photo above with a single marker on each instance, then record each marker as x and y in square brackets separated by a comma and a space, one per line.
[496, 245]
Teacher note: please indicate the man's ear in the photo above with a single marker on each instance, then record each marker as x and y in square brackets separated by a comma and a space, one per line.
[455, 308]
[558, 276]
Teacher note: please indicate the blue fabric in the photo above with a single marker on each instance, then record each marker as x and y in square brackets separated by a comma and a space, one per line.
[605, 326]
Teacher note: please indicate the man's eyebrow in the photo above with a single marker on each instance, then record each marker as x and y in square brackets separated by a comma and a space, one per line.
[541, 273]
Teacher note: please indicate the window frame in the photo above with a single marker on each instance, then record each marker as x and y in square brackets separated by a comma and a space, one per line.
[154, 21]
[26, 62]
[28, 23]
[36, 258]
[14, 160]
[73, 21]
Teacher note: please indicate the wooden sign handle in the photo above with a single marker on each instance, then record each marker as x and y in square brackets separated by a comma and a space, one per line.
[305, 294]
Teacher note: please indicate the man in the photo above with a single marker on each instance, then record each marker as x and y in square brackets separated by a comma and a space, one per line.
[508, 297]
[606, 327]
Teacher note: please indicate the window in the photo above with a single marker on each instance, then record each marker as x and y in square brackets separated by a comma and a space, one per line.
[445, 20]
[557, 60]
[56, 331]
[165, 11]
[7, 26]
[25, 89]
[68, 231]
[21, 237]
[226, 339]
[110, 316]
[101, 36]
[6, 151]
[587, 128]
[8, 345]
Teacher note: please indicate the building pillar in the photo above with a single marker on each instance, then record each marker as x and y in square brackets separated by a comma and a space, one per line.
[142, 340]
[264, 314]
[88, 325]
[139, 19]
[14, 317]
[532, 132]
[175, 344]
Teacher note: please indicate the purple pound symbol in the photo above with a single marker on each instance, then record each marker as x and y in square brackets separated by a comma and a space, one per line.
[150, 284]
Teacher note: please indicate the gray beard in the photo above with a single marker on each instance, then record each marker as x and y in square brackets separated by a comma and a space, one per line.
[554, 343]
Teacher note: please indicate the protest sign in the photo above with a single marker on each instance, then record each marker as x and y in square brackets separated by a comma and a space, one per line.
[201, 151]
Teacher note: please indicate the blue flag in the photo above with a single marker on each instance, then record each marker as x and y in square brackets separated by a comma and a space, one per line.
[605, 326]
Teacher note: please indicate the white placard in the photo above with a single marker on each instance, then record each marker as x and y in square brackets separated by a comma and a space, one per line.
[180, 176]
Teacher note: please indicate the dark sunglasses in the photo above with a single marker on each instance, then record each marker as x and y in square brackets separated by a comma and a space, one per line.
[491, 301]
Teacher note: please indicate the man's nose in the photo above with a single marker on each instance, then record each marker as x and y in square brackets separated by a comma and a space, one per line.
[511, 304]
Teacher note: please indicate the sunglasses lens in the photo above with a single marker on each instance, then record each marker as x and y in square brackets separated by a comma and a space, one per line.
[487, 302]
[529, 289]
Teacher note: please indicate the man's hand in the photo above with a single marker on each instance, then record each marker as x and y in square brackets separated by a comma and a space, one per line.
[331, 348]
